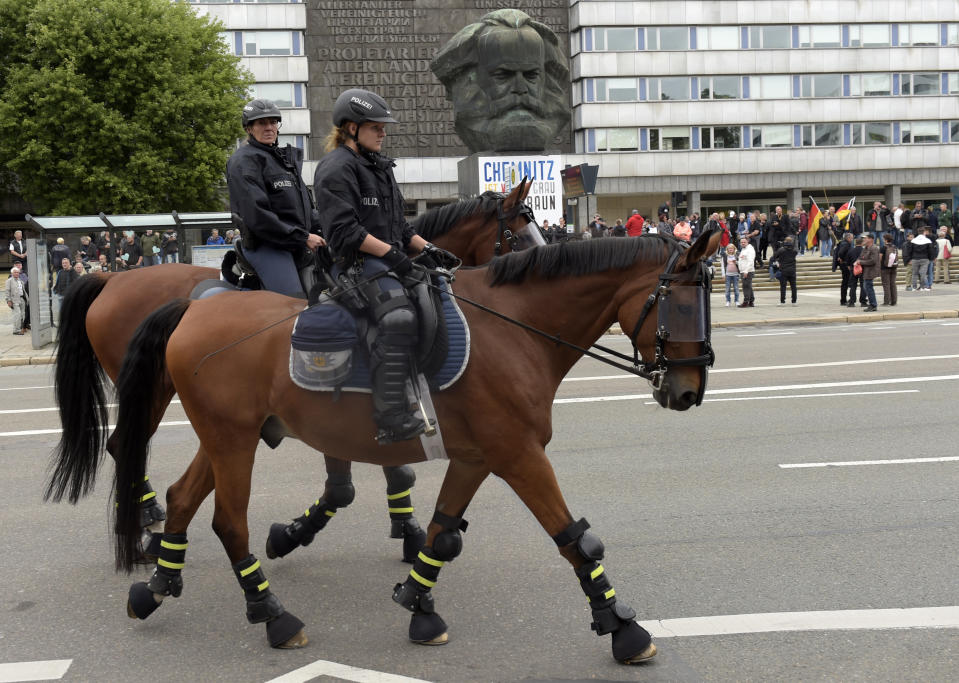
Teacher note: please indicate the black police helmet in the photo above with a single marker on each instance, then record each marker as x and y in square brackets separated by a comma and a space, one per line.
[360, 106]
[260, 109]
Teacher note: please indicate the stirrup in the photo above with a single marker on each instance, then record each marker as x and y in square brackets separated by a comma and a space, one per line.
[409, 427]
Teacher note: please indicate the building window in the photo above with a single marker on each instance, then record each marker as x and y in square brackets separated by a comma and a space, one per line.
[717, 38]
[918, 132]
[617, 139]
[869, 35]
[298, 141]
[952, 34]
[918, 35]
[616, 90]
[770, 87]
[769, 37]
[722, 137]
[954, 129]
[952, 83]
[282, 94]
[719, 87]
[828, 135]
[870, 85]
[670, 138]
[821, 85]
[669, 88]
[667, 38]
[827, 35]
[614, 39]
[772, 136]
[872, 133]
[267, 43]
[921, 84]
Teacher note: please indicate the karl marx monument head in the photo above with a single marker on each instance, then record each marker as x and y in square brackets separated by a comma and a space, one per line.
[506, 77]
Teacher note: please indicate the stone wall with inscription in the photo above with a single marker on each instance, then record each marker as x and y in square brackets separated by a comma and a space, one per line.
[386, 46]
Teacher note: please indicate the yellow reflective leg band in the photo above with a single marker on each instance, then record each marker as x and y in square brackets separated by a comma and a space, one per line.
[151, 494]
[420, 579]
[610, 593]
[400, 509]
[170, 565]
[430, 560]
[596, 572]
[252, 568]
[263, 586]
[173, 546]
[397, 496]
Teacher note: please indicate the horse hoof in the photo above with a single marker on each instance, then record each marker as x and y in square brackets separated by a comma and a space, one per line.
[270, 553]
[643, 656]
[297, 641]
[142, 602]
[441, 639]
[278, 542]
[428, 629]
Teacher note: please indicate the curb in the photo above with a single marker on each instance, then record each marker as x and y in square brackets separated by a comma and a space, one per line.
[27, 360]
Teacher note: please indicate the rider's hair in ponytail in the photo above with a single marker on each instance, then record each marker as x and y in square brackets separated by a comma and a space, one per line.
[337, 136]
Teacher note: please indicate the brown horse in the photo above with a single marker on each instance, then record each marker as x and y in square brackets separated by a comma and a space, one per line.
[651, 285]
[100, 315]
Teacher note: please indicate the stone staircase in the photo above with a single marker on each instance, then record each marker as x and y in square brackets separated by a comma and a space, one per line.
[812, 272]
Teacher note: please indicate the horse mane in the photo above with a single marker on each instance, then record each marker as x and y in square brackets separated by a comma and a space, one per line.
[581, 257]
[440, 220]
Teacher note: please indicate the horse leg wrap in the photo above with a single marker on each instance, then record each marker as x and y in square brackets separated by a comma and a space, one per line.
[609, 616]
[449, 542]
[262, 606]
[166, 579]
[284, 538]
[415, 595]
[399, 483]
[150, 510]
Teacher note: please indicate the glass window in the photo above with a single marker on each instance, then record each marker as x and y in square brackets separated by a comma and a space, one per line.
[725, 87]
[874, 85]
[772, 136]
[877, 133]
[614, 39]
[856, 133]
[954, 129]
[294, 140]
[828, 135]
[280, 93]
[925, 84]
[667, 38]
[827, 85]
[670, 138]
[770, 87]
[722, 137]
[616, 90]
[920, 131]
[953, 83]
[952, 34]
[669, 88]
[267, 43]
[820, 36]
[617, 140]
[717, 38]
[919, 34]
[875, 35]
[769, 37]
[807, 139]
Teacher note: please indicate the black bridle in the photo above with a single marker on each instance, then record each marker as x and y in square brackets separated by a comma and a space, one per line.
[504, 218]
[658, 368]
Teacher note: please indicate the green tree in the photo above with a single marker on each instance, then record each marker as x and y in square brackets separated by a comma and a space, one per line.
[120, 106]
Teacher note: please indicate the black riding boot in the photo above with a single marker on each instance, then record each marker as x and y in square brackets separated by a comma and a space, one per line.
[396, 420]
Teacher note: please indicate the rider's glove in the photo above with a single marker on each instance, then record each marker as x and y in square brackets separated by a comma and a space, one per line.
[398, 262]
[441, 257]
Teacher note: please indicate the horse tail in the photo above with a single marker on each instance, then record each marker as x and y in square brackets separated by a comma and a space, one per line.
[139, 388]
[79, 392]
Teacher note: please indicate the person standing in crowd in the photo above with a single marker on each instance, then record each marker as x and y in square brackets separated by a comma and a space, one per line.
[869, 261]
[663, 211]
[753, 232]
[695, 225]
[876, 220]
[130, 254]
[16, 295]
[170, 247]
[923, 252]
[854, 222]
[598, 226]
[215, 238]
[634, 224]
[65, 277]
[87, 252]
[731, 275]
[104, 247]
[18, 249]
[803, 230]
[104, 262]
[619, 230]
[855, 281]
[777, 228]
[150, 248]
[683, 231]
[825, 234]
[907, 262]
[58, 253]
[947, 219]
[918, 219]
[900, 229]
[840, 260]
[786, 257]
[732, 221]
[943, 247]
[747, 270]
[888, 268]
[763, 246]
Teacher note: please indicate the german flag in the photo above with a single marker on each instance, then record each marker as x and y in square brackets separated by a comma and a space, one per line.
[843, 210]
[812, 238]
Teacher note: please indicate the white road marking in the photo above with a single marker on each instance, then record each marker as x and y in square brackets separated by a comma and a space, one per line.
[50, 410]
[855, 463]
[948, 324]
[41, 432]
[838, 620]
[766, 334]
[50, 670]
[786, 396]
[24, 388]
[348, 673]
[890, 327]
[796, 366]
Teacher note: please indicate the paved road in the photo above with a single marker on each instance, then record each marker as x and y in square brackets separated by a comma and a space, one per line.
[703, 513]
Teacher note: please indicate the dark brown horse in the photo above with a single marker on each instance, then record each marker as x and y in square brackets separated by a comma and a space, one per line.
[650, 285]
[101, 313]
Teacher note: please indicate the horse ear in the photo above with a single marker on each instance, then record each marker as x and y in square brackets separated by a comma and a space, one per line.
[707, 243]
[515, 196]
[524, 192]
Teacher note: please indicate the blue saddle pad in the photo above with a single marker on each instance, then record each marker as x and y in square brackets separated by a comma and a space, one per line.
[452, 368]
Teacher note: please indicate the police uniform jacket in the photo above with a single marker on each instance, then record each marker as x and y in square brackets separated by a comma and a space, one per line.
[358, 196]
[267, 192]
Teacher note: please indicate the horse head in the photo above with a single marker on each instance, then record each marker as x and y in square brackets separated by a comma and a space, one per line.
[672, 326]
[518, 229]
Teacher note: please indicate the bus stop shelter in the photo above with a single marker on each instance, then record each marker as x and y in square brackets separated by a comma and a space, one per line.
[189, 226]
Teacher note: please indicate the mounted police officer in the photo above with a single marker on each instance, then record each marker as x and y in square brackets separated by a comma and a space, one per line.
[279, 226]
[361, 213]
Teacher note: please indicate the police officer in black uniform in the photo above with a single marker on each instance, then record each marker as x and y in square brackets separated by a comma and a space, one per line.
[361, 213]
[280, 227]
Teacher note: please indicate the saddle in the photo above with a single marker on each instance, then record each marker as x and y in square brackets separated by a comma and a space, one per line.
[239, 272]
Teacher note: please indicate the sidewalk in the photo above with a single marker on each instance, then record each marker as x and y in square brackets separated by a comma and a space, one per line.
[814, 306]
